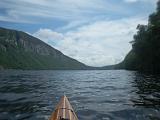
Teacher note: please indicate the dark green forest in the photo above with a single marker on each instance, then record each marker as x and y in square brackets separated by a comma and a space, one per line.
[145, 53]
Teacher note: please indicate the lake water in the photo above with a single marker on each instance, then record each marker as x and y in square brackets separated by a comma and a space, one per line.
[94, 95]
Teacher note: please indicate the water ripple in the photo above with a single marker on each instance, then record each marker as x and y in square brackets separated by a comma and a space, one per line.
[95, 95]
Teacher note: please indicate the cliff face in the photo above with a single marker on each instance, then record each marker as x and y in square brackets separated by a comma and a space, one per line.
[19, 50]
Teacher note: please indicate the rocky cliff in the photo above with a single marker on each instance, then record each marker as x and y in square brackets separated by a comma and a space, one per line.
[19, 50]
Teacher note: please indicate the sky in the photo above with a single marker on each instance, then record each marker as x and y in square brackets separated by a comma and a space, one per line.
[95, 32]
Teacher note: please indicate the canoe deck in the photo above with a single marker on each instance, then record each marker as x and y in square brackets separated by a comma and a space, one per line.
[63, 111]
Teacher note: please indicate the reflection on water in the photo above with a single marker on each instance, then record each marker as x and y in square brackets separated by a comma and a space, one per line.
[148, 93]
[95, 95]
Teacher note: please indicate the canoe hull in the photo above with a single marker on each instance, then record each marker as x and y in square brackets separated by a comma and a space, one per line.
[63, 111]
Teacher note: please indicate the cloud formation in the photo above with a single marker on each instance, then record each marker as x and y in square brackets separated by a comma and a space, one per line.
[96, 32]
[150, 1]
[130, 0]
[47, 35]
[97, 44]
[28, 11]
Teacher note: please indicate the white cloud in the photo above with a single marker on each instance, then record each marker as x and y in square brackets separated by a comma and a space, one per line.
[9, 19]
[96, 44]
[132, 1]
[67, 10]
[48, 35]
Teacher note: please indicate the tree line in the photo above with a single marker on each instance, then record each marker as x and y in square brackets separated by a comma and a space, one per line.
[145, 53]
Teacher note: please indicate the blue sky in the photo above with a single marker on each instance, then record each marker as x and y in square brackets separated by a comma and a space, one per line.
[95, 32]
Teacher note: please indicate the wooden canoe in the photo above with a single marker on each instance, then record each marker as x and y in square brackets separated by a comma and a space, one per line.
[63, 111]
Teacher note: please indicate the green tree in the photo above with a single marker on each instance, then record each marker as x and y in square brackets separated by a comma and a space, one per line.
[146, 44]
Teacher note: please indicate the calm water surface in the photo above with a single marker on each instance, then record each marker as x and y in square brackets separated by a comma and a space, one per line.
[95, 95]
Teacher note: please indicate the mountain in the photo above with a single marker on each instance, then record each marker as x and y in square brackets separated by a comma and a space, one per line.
[145, 53]
[19, 50]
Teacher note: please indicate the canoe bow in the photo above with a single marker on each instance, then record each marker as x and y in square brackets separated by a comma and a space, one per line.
[63, 111]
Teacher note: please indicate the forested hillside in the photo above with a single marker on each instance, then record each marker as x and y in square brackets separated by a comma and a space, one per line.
[19, 50]
[145, 53]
